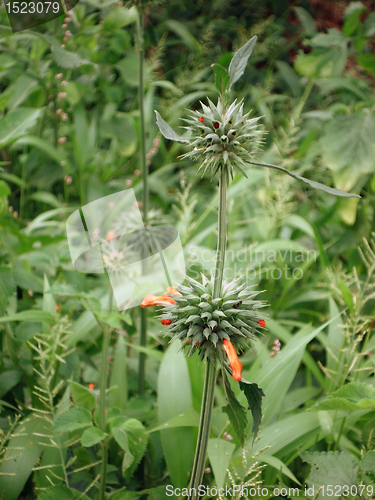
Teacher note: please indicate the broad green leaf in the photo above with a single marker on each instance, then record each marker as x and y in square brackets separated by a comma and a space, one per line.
[166, 130]
[30, 315]
[73, 419]
[188, 419]
[92, 436]
[21, 89]
[82, 396]
[137, 441]
[353, 396]
[120, 17]
[27, 279]
[126, 495]
[8, 380]
[278, 465]
[67, 59]
[174, 398]
[23, 451]
[219, 453]
[330, 469]
[276, 376]
[221, 78]
[348, 146]
[238, 63]
[16, 123]
[118, 398]
[254, 396]
[4, 189]
[57, 492]
[368, 461]
[313, 184]
[367, 62]
[307, 20]
[235, 411]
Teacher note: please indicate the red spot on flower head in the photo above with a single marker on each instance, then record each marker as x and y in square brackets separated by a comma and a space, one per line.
[230, 122]
[91, 387]
[166, 321]
[196, 343]
[233, 133]
[262, 323]
[201, 119]
[216, 125]
[233, 360]
[57, 308]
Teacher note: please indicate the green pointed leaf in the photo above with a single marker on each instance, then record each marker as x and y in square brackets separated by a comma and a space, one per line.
[92, 436]
[235, 411]
[61, 492]
[15, 124]
[254, 396]
[166, 130]
[313, 184]
[73, 419]
[368, 461]
[219, 453]
[347, 295]
[31, 315]
[82, 396]
[353, 396]
[238, 63]
[221, 78]
[332, 468]
[137, 441]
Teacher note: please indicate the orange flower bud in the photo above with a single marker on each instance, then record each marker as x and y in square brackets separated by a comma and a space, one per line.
[233, 360]
[262, 323]
[91, 387]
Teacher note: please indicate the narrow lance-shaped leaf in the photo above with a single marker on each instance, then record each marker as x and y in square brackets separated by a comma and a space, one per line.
[313, 184]
[235, 411]
[254, 396]
[238, 63]
[166, 130]
[221, 78]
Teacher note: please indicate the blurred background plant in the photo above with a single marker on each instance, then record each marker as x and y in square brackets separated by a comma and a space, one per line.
[70, 134]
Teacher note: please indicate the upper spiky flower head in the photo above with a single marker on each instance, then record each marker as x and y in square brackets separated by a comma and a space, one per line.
[223, 137]
[207, 325]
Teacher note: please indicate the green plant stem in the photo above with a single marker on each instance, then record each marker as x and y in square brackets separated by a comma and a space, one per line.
[103, 387]
[222, 234]
[204, 428]
[145, 194]
[210, 376]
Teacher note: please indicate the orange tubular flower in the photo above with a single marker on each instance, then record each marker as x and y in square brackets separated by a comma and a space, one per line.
[152, 300]
[233, 360]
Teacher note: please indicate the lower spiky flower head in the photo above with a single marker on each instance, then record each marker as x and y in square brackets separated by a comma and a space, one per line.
[213, 326]
[223, 137]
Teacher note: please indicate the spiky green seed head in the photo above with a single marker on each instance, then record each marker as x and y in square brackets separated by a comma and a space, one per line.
[202, 322]
[223, 137]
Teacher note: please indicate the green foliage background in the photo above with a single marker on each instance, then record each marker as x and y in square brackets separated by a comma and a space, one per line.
[69, 134]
